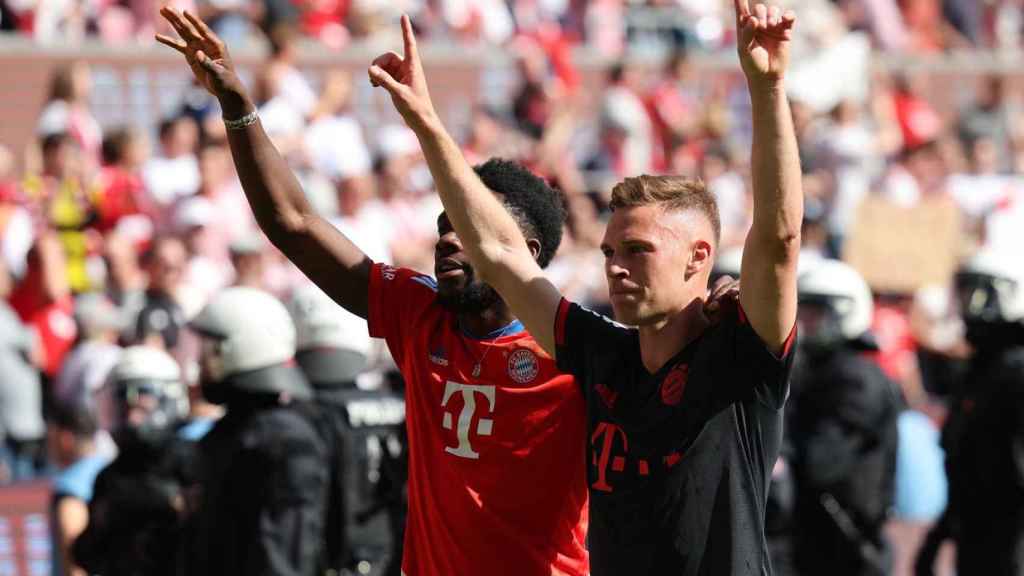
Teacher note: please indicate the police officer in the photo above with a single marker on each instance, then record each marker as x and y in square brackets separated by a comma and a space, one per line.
[843, 429]
[138, 507]
[984, 434]
[264, 465]
[366, 430]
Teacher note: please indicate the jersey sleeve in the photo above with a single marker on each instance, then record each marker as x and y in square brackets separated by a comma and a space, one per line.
[397, 296]
[582, 335]
[745, 369]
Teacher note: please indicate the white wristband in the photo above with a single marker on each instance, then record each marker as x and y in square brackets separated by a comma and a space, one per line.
[247, 120]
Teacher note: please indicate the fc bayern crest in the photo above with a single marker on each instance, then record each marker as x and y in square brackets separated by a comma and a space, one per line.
[523, 366]
[674, 384]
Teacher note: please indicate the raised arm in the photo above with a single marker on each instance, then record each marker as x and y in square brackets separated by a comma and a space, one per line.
[284, 214]
[768, 273]
[487, 231]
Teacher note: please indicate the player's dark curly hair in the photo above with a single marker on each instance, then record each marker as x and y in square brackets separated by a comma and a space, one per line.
[538, 208]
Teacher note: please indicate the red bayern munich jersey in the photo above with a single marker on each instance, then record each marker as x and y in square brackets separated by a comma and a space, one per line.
[497, 474]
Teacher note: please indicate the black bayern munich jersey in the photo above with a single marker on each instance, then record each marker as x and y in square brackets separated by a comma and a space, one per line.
[679, 461]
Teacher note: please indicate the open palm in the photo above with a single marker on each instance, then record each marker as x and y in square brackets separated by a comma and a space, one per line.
[763, 40]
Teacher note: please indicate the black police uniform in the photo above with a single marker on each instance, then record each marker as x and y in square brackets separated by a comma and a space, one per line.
[264, 488]
[984, 443]
[138, 511]
[367, 516]
[843, 429]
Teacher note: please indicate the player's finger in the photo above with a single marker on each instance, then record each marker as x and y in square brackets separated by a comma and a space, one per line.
[409, 38]
[380, 77]
[788, 19]
[193, 33]
[168, 14]
[742, 10]
[175, 43]
[204, 31]
[761, 13]
[774, 16]
[387, 61]
[180, 26]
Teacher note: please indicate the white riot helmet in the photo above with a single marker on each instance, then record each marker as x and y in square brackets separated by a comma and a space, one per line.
[333, 344]
[990, 288]
[145, 398]
[838, 289]
[248, 346]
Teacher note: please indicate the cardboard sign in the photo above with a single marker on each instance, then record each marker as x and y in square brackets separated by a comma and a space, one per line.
[900, 248]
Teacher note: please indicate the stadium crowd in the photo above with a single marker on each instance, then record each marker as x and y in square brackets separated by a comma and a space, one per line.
[112, 237]
[609, 26]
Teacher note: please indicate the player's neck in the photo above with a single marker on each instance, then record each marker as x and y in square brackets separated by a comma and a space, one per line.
[489, 321]
[661, 341]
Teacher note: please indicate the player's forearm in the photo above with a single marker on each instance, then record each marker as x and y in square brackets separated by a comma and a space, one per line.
[487, 231]
[775, 168]
[276, 198]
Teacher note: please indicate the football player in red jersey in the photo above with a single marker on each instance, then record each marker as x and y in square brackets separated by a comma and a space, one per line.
[684, 416]
[496, 477]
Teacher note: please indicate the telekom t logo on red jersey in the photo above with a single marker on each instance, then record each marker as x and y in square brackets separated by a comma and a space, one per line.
[484, 426]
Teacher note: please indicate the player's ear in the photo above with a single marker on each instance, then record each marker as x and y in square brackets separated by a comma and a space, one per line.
[534, 245]
[701, 257]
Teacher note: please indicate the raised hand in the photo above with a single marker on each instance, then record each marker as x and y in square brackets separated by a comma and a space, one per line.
[763, 41]
[722, 296]
[205, 53]
[402, 76]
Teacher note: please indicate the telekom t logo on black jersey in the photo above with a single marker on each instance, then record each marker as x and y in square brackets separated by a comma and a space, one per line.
[484, 426]
[603, 454]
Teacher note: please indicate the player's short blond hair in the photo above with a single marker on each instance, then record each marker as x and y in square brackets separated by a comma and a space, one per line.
[677, 193]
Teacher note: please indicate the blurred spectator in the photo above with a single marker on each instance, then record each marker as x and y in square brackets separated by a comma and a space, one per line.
[63, 198]
[73, 451]
[291, 84]
[334, 138]
[675, 105]
[174, 171]
[162, 318]
[16, 228]
[196, 222]
[232, 20]
[991, 117]
[122, 194]
[735, 203]
[247, 258]
[88, 364]
[918, 120]
[67, 110]
[43, 301]
[21, 401]
[407, 217]
[219, 185]
[625, 122]
[126, 282]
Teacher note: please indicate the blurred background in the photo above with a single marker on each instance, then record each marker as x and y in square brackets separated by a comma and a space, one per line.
[121, 214]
